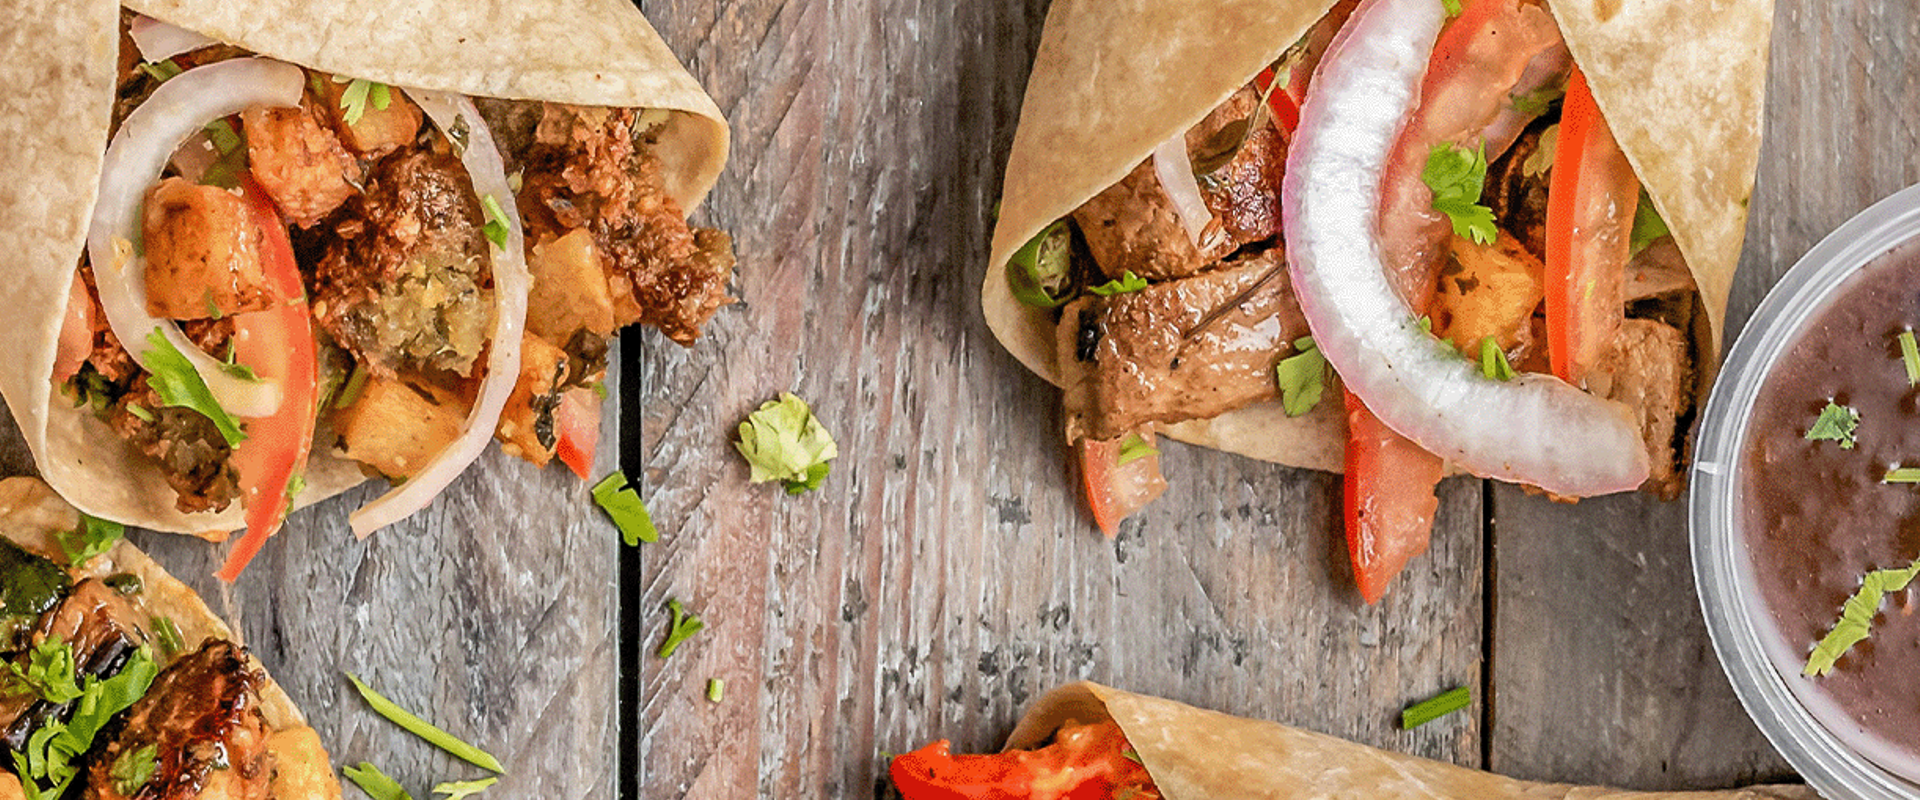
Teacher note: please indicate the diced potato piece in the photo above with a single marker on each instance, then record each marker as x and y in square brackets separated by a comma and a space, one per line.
[1487, 290]
[396, 425]
[299, 161]
[10, 788]
[570, 289]
[526, 424]
[203, 253]
[378, 131]
[301, 770]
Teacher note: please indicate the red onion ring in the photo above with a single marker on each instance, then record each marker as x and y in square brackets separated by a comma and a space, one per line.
[158, 41]
[1535, 429]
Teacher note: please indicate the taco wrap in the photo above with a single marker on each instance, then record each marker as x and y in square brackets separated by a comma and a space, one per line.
[1189, 233]
[465, 200]
[148, 647]
[1163, 749]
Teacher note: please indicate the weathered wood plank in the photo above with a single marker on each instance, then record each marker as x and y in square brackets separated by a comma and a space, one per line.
[944, 576]
[1602, 666]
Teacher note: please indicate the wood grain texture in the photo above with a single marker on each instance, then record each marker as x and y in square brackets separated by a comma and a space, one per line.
[1601, 665]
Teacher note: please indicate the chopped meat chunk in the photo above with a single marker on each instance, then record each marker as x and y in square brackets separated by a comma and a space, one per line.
[1179, 350]
[183, 443]
[1649, 370]
[299, 161]
[1132, 225]
[378, 131]
[1516, 187]
[203, 253]
[395, 426]
[407, 285]
[595, 169]
[201, 724]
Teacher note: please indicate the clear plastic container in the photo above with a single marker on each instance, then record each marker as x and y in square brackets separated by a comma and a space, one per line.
[1838, 766]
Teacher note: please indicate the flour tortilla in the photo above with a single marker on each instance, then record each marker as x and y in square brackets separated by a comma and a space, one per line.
[1681, 84]
[55, 121]
[1194, 754]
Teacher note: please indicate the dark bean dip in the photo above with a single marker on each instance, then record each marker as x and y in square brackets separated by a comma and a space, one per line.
[1818, 516]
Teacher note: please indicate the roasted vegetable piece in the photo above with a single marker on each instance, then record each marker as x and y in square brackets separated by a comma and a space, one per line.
[570, 290]
[201, 729]
[396, 425]
[1486, 291]
[203, 253]
[527, 423]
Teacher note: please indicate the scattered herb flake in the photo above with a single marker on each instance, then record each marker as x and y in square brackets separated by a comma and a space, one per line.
[617, 497]
[1856, 617]
[49, 672]
[1427, 711]
[1648, 227]
[455, 790]
[179, 386]
[140, 411]
[783, 441]
[1452, 7]
[1131, 754]
[716, 689]
[90, 538]
[1902, 475]
[426, 730]
[1457, 176]
[225, 139]
[1126, 283]
[1837, 423]
[1040, 273]
[682, 628]
[162, 71]
[496, 228]
[1134, 447]
[1302, 377]
[1538, 101]
[1493, 361]
[169, 635]
[134, 769]
[1910, 355]
[356, 383]
[359, 93]
[375, 783]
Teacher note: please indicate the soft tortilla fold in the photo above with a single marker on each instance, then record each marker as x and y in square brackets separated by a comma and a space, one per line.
[1681, 84]
[583, 52]
[1193, 753]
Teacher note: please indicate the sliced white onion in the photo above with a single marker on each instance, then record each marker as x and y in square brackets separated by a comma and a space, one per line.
[159, 41]
[1175, 170]
[1535, 429]
[180, 108]
[457, 119]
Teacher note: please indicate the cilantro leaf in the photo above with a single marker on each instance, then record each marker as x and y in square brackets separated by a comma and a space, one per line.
[455, 790]
[425, 730]
[1127, 282]
[49, 672]
[783, 441]
[359, 94]
[1040, 272]
[1302, 377]
[1493, 361]
[1457, 176]
[1429, 710]
[617, 497]
[1648, 227]
[93, 537]
[134, 769]
[1837, 423]
[1856, 617]
[683, 627]
[375, 783]
[1133, 448]
[173, 378]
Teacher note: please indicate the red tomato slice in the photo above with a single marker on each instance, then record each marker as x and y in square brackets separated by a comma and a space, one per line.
[576, 423]
[1389, 499]
[277, 344]
[1285, 107]
[1115, 490]
[1592, 195]
[1085, 762]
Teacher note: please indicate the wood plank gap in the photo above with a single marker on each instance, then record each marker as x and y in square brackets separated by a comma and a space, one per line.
[628, 577]
[1489, 598]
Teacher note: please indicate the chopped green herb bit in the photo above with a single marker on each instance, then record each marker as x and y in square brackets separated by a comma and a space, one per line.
[1040, 273]
[1538, 101]
[356, 383]
[91, 538]
[162, 71]
[1902, 475]
[1648, 227]
[49, 672]
[225, 139]
[1452, 7]
[1133, 448]
[1127, 282]
[375, 783]
[1302, 377]
[134, 769]
[140, 411]
[716, 689]
[783, 441]
[617, 497]
[296, 485]
[1540, 161]
[455, 790]
[1457, 176]
[179, 386]
[1856, 617]
[359, 93]
[47, 768]
[496, 228]
[426, 730]
[1837, 423]
[1429, 710]
[169, 635]
[1493, 361]
[1910, 355]
[1131, 754]
[682, 628]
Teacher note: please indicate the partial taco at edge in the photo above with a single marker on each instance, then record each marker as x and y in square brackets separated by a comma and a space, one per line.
[1390, 238]
[270, 254]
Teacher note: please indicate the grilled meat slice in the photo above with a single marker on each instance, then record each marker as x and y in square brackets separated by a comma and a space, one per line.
[1516, 186]
[594, 168]
[1132, 225]
[406, 285]
[202, 726]
[1649, 370]
[1179, 350]
[103, 630]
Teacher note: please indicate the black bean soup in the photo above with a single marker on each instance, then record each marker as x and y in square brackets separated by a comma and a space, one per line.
[1818, 515]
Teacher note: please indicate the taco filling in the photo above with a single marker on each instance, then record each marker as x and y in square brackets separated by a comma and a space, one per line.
[1512, 231]
[282, 258]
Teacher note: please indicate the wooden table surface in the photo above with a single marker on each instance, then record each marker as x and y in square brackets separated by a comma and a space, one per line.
[944, 576]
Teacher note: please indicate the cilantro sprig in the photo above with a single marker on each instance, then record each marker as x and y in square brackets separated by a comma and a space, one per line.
[1837, 423]
[49, 673]
[49, 765]
[1302, 377]
[173, 378]
[1457, 177]
[94, 536]
[622, 503]
[359, 94]
[1856, 617]
[682, 628]
[783, 441]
